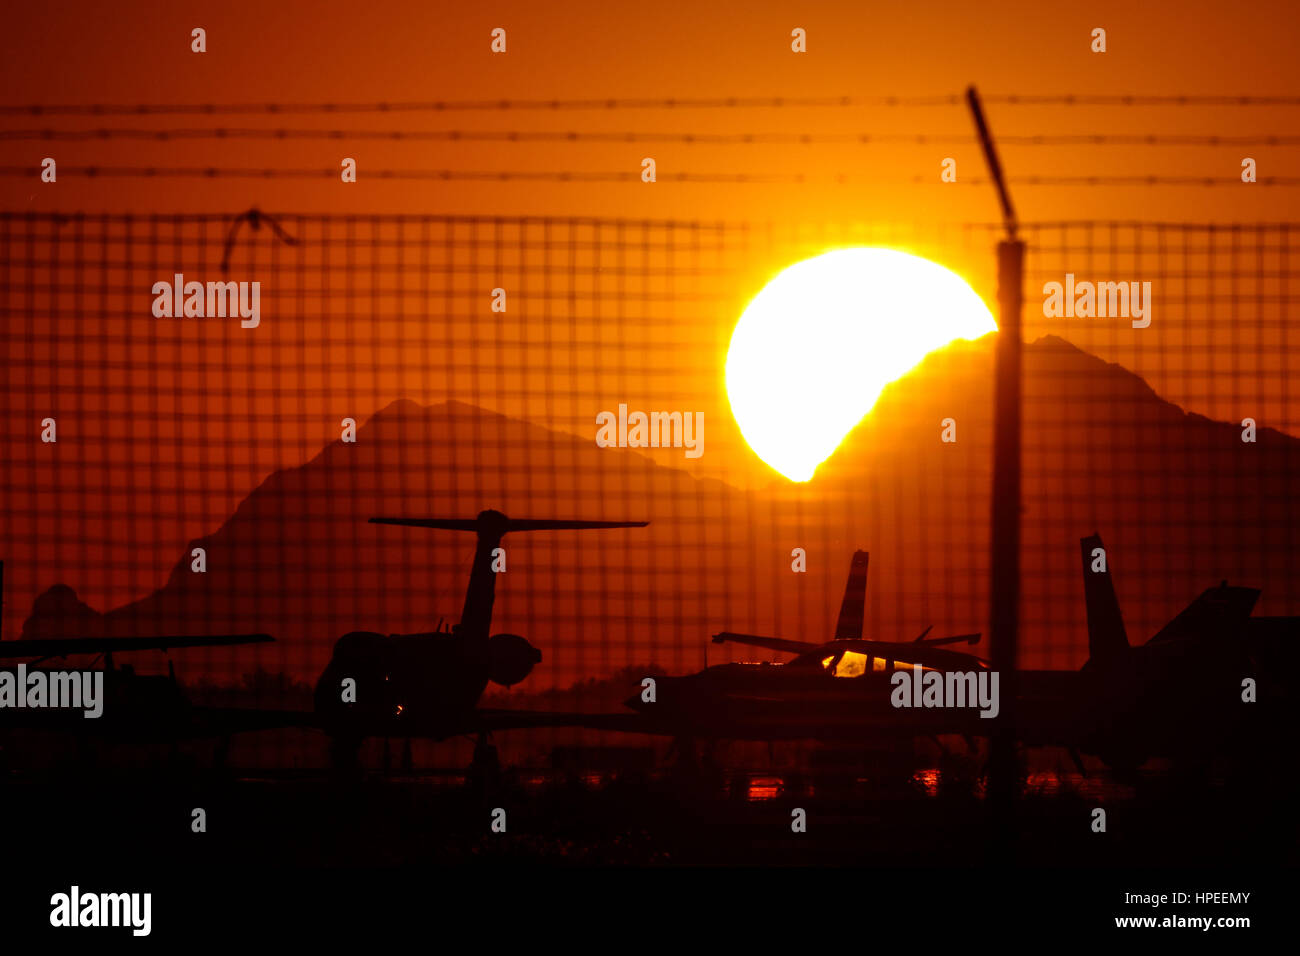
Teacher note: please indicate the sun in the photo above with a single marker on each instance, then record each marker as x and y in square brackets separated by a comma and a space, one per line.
[815, 348]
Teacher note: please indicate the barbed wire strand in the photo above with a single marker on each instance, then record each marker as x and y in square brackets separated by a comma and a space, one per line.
[584, 176]
[575, 136]
[616, 103]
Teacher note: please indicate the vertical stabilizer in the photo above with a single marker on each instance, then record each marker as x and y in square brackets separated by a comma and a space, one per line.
[1106, 637]
[853, 608]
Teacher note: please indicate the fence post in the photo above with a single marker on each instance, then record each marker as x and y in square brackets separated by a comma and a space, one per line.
[1004, 589]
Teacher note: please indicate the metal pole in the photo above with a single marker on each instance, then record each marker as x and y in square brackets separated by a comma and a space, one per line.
[1005, 571]
[1004, 597]
[991, 157]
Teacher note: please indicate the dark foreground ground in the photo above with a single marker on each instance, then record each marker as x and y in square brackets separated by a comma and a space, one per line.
[670, 853]
[928, 817]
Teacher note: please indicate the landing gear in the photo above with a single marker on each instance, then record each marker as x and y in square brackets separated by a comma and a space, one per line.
[682, 753]
[695, 770]
[485, 770]
[345, 755]
[486, 761]
[1123, 764]
[220, 754]
[407, 763]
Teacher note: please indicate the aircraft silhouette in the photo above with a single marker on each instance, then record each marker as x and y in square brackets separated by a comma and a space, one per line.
[1181, 694]
[429, 684]
[136, 707]
[839, 690]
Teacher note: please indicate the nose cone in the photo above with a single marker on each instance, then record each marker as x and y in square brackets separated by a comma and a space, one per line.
[635, 703]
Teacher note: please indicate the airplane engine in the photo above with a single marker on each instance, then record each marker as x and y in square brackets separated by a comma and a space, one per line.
[513, 658]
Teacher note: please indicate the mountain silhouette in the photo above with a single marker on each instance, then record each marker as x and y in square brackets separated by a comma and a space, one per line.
[1180, 501]
[58, 612]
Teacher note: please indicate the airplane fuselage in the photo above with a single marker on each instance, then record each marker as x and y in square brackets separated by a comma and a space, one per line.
[402, 685]
[772, 701]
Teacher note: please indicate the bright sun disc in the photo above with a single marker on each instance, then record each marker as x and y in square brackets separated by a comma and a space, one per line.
[813, 351]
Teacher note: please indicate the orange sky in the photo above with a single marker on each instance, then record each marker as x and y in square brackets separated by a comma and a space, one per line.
[350, 357]
[321, 52]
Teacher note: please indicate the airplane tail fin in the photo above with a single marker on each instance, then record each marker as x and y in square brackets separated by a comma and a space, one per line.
[853, 607]
[491, 527]
[1106, 636]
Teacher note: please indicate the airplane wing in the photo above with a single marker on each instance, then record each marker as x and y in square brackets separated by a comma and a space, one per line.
[507, 524]
[800, 647]
[486, 720]
[64, 646]
[771, 643]
[223, 721]
[208, 722]
[1216, 613]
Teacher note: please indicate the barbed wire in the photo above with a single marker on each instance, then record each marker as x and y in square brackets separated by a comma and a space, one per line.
[1140, 99]
[635, 103]
[439, 106]
[710, 139]
[590, 176]
[700, 227]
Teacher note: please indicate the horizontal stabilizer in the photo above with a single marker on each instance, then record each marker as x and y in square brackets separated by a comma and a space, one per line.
[490, 527]
[955, 639]
[63, 646]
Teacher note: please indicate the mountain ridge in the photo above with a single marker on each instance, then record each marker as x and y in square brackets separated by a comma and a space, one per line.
[296, 558]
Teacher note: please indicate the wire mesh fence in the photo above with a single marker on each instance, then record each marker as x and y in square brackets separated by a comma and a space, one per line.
[472, 356]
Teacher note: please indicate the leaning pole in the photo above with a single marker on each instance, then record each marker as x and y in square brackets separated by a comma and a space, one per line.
[1004, 596]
